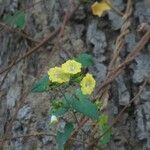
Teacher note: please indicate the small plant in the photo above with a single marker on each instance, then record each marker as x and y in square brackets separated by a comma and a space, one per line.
[18, 20]
[74, 87]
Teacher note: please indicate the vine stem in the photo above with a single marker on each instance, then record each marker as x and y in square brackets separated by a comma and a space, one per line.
[72, 110]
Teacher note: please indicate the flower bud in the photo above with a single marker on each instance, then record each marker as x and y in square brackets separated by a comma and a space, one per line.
[54, 119]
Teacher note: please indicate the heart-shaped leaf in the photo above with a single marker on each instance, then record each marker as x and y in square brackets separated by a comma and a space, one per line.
[85, 59]
[84, 105]
[42, 85]
[17, 20]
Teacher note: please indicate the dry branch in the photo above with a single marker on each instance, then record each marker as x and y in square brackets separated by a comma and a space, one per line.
[32, 50]
[21, 33]
[34, 134]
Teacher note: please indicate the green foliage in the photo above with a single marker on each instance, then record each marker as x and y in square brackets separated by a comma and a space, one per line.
[103, 120]
[17, 20]
[104, 129]
[73, 101]
[62, 137]
[85, 59]
[59, 108]
[80, 96]
[41, 85]
[60, 112]
[82, 104]
[77, 78]
[86, 107]
[57, 103]
[105, 139]
[99, 104]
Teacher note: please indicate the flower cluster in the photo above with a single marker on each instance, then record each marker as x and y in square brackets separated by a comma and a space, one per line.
[71, 67]
[62, 74]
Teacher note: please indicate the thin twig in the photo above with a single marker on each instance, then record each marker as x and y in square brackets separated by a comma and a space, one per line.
[32, 50]
[34, 4]
[35, 134]
[72, 110]
[6, 74]
[67, 16]
[4, 78]
[114, 8]
[5, 26]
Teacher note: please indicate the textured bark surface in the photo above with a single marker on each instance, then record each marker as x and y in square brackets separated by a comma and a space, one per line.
[83, 33]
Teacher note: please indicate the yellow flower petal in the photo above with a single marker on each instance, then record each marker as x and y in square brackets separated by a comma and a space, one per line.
[87, 84]
[56, 74]
[99, 7]
[71, 67]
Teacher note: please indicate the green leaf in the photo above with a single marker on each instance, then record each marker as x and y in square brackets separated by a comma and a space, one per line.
[59, 112]
[103, 120]
[8, 19]
[86, 107]
[80, 95]
[17, 20]
[59, 107]
[42, 85]
[82, 104]
[62, 137]
[104, 126]
[99, 104]
[85, 59]
[77, 78]
[20, 19]
[105, 139]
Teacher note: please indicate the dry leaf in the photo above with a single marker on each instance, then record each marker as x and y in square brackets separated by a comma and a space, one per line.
[99, 7]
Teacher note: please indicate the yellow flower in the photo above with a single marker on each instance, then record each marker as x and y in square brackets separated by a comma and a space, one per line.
[87, 84]
[99, 7]
[71, 67]
[56, 74]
